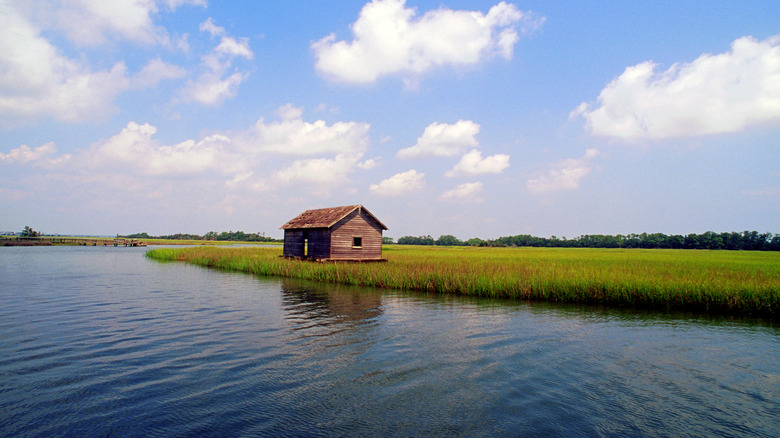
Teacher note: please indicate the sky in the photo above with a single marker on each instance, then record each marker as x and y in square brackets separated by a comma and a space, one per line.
[471, 118]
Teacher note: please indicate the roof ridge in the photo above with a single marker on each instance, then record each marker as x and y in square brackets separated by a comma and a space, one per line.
[326, 217]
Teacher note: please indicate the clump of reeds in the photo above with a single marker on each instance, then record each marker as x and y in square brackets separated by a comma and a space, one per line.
[718, 281]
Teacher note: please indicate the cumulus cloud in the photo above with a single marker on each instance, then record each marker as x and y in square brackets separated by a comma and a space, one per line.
[370, 163]
[135, 147]
[464, 191]
[209, 26]
[320, 170]
[390, 38]
[37, 80]
[443, 139]
[336, 149]
[331, 152]
[173, 4]
[565, 175]
[400, 183]
[41, 155]
[155, 71]
[94, 22]
[216, 83]
[293, 136]
[713, 94]
[472, 163]
[242, 162]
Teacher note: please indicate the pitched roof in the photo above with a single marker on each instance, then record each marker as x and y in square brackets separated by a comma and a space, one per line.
[325, 217]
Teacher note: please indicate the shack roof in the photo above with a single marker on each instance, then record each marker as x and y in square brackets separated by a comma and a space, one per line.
[325, 217]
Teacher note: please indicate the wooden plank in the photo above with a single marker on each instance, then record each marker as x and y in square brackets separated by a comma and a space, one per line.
[356, 224]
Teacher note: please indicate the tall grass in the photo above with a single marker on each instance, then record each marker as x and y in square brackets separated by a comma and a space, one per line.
[717, 281]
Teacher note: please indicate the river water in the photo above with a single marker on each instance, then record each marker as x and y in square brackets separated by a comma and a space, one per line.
[103, 342]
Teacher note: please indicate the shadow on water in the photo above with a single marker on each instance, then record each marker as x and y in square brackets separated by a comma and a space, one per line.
[330, 303]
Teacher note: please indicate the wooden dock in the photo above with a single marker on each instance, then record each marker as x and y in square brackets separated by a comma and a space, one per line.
[72, 241]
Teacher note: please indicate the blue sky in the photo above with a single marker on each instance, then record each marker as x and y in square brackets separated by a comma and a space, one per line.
[471, 118]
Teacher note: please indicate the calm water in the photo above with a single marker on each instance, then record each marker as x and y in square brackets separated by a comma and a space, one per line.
[102, 342]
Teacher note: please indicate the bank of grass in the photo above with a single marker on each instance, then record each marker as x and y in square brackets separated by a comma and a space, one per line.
[739, 282]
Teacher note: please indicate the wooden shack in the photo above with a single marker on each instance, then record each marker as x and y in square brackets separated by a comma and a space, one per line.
[349, 233]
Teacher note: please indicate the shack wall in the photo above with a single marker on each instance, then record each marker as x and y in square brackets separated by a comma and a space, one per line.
[356, 224]
[293, 243]
[319, 243]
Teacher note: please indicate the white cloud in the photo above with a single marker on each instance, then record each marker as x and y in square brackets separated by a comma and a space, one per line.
[155, 71]
[293, 136]
[565, 175]
[289, 112]
[25, 154]
[173, 4]
[328, 171]
[35, 80]
[212, 88]
[721, 93]
[472, 163]
[370, 163]
[94, 22]
[235, 47]
[443, 139]
[211, 27]
[214, 84]
[390, 38]
[135, 148]
[240, 161]
[400, 183]
[464, 191]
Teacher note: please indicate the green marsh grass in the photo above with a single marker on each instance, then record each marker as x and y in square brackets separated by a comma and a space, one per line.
[744, 282]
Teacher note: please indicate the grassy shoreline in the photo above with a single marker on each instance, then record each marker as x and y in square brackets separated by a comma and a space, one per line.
[732, 282]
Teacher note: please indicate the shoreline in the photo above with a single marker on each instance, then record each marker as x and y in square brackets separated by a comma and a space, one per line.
[728, 282]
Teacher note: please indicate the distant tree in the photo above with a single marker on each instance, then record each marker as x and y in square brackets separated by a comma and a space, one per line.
[774, 244]
[410, 240]
[137, 236]
[29, 232]
[387, 240]
[448, 240]
[747, 240]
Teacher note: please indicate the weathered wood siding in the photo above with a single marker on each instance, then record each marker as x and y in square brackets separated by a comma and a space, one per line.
[356, 224]
[293, 243]
[319, 243]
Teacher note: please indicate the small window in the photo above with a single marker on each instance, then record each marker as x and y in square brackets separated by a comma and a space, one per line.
[357, 242]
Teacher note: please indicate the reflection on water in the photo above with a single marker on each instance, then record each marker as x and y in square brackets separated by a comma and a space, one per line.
[100, 341]
[326, 304]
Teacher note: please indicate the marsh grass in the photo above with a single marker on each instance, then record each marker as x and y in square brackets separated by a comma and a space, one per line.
[715, 281]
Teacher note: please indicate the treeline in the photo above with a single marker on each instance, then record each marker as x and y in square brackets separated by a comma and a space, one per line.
[225, 236]
[746, 240]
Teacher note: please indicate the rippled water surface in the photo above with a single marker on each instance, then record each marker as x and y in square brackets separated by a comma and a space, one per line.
[103, 342]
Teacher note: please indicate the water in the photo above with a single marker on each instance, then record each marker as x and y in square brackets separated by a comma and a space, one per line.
[102, 342]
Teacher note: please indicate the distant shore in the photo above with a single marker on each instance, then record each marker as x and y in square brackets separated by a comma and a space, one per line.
[728, 282]
[110, 241]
